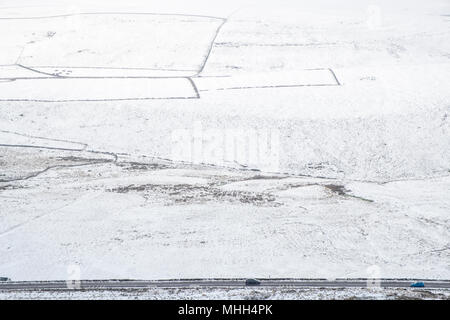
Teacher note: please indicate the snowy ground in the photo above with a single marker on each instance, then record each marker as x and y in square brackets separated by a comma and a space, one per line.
[151, 219]
[353, 95]
[233, 294]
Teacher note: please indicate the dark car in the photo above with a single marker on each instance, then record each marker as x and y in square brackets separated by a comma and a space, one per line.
[5, 279]
[252, 282]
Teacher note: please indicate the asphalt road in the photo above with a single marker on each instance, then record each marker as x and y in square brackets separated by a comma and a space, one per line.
[141, 284]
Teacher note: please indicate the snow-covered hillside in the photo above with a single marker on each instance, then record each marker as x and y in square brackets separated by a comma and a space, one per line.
[150, 139]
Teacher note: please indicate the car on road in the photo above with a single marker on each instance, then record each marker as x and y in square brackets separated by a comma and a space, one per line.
[417, 285]
[4, 279]
[252, 282]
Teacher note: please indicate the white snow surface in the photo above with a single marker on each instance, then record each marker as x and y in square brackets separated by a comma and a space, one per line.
[357, 91]
[388, 119]
[231, 294]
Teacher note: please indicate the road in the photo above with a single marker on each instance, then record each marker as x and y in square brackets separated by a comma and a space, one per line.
[142, 284]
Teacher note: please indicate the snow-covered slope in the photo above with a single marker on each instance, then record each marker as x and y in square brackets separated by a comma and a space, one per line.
[115, 150]
[151, 219]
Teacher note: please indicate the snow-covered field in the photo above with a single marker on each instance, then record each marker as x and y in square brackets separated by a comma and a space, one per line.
[114, 120]
[231, 294]
[150, 219]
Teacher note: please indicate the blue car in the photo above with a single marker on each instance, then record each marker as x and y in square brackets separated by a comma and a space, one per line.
[417, 285]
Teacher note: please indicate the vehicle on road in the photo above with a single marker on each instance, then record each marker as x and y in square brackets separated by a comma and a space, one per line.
[417, 285]
[252, 282]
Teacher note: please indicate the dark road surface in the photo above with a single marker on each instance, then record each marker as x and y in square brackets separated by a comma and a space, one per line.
[142, 284]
